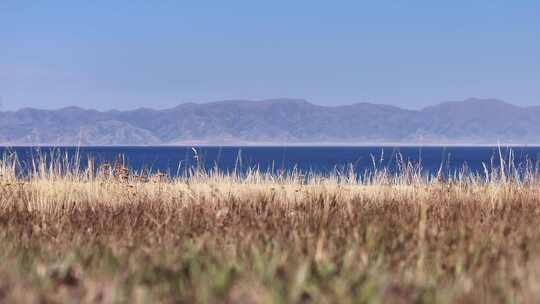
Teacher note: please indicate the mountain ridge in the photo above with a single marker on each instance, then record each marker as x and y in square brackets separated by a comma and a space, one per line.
[280, 121]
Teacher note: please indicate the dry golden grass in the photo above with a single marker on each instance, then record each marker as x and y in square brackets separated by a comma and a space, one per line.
[102, 235]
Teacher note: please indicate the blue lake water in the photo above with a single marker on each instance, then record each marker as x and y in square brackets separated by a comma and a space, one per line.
[322, 160]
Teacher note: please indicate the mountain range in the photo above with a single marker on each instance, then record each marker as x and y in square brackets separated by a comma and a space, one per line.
[276, 121]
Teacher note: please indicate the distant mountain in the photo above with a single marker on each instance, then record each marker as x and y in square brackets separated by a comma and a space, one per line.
[276, 121]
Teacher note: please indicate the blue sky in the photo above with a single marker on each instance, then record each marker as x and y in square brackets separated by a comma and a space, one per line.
[128, 54]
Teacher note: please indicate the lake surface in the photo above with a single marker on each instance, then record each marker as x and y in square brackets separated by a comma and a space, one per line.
[322, 160]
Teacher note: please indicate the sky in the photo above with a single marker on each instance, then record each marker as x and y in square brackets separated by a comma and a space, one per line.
[128, 54]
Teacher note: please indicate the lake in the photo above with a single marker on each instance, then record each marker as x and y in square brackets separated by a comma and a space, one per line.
[322, 160]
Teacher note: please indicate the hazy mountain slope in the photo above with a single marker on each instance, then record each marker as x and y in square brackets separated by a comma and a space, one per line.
[276, 121]
[477, 120]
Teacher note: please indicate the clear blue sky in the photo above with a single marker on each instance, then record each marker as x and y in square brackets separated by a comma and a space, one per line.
[128, 54]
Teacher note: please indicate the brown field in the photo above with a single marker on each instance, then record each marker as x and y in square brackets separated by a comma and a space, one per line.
[103, 235]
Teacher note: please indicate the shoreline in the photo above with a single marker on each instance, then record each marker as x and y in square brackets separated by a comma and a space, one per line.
[277, 145]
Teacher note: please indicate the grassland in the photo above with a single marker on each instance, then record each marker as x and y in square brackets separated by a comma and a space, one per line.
[105, 235]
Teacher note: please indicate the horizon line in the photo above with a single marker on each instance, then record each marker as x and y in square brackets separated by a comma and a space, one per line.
[280, 99]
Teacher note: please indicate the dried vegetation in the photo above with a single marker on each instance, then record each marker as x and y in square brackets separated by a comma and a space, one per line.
[103, 235]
